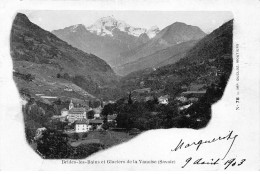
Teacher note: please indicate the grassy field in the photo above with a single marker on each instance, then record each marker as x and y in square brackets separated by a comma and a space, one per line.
[107, 138]
[84, 141]
[46, 82]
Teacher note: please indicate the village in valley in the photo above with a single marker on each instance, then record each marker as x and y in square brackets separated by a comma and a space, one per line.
[96, 124]
[82, 118]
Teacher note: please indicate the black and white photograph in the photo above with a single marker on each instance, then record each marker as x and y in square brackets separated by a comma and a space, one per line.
[97, 87]
[87, 88]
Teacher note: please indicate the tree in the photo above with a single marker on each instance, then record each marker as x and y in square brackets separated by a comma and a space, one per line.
[155, 100]
[222, 82]
[90, 114]
[60, 125]
[75, 136]
[49, 114]
[58, 101]
[53, 145]
[29, 134]
[85, 135]
[96, 103]
[123, 120]
[108, 109]
[25, 91]
[105, 125]
[82, 151]
[29, 77]
[101, 103]
[36, 113]
[66, 76]
[58, 75]
[130, 101]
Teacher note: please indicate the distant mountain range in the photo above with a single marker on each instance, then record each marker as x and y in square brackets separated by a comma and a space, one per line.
[106, 38]
[106, 26]
[203, 64]
[55, 65]
[157, 59]
[168, 38]
[118, 43]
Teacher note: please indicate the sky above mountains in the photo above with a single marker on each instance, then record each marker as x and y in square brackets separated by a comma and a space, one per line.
[52, 20]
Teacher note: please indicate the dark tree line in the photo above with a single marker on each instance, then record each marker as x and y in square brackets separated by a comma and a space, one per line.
[54, 145]
[202, 108]
[26, 77]
[142, 115]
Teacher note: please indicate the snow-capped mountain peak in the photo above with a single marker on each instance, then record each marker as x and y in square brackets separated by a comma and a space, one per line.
[77, 27]
[106, 25]
[152, 31]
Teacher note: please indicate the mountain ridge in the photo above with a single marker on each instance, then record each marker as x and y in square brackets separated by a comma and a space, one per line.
[205, 63]
[167, 56]
[54, 63]
[116, 41]
[104, 42]
[105, 25]
[171, 35]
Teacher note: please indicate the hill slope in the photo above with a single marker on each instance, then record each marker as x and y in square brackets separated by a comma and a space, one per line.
[106, 38]
[160, 58]
[54, 64]
[209, 59]
[171, 35]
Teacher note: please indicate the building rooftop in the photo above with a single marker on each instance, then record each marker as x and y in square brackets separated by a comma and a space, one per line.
[64, 109]
[194, 92]
[142, 90]
[82, 121]
[95, 121]
[111, 117]
[164, 97]
[77, 111]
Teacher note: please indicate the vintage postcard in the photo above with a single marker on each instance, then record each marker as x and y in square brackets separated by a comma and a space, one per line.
[130, 85]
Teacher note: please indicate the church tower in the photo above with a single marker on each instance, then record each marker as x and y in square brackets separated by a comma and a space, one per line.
[71, 105]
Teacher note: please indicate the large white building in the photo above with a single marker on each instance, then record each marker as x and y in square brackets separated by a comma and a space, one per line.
[85, 125]
[82, 126]
[64, 112]
[76, 113]
[73, 113]
[79, 117]
[163, 100]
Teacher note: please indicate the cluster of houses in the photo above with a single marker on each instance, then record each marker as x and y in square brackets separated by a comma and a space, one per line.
[190, 96]
[187, 98]
[78, 117]
[144, 94]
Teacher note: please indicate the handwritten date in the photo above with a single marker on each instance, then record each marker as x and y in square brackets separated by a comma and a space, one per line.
[227, 163]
